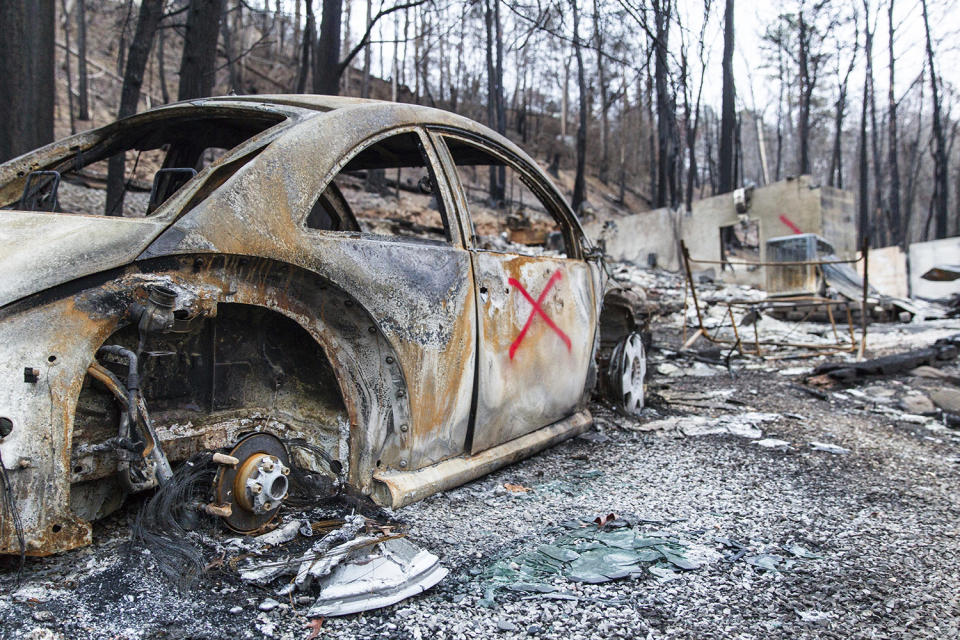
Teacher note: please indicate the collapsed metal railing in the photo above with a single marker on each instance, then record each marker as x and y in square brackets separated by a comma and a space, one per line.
[847, 344]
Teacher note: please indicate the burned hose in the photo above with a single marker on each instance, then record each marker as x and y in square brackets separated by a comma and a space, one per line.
[136, 411]
[133, 376]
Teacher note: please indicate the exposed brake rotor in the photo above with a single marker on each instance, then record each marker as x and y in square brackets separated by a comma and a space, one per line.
[252, 482]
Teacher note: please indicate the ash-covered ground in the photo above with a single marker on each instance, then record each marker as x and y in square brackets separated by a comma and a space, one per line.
[858, 537]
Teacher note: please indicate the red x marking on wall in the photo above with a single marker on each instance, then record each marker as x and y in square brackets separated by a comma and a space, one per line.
[535, 310]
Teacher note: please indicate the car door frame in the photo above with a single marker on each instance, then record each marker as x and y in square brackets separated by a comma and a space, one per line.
[438, 417]
[489, 434]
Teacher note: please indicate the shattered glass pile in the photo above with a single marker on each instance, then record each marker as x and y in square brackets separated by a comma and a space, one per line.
[594, 553]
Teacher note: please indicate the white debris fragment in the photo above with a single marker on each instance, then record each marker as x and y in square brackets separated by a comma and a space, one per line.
[352, 573]
[814, 616]
[829, 448]
[668, 369]
[773, 443]
[266, 626]
[268, 605]
[392, 572]
[282, 534]
[264, 573]
[743, 425]
[320, 567]
[32, 593]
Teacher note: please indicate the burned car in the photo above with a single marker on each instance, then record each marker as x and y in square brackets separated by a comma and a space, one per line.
[392, 297]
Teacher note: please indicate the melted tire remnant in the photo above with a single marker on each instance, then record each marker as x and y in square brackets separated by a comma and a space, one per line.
[165, 520]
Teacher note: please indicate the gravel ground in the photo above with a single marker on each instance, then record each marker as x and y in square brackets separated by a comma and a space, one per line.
[882, 521]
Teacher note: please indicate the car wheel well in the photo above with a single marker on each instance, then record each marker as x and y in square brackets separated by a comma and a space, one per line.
[244, 368]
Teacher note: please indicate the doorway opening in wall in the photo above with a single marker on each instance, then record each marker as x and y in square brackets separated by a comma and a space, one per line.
[740, 242]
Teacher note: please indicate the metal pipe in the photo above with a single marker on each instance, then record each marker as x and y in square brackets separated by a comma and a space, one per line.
[133, 376]
[863, 307]
[777, 264]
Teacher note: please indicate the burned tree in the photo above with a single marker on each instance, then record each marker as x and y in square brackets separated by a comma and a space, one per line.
[893, 196]
[836, 157]
[728, 110]
[198, 64]
[667, 191]
[938, 205]
[579, 185]
[496, 117]
[151, 11]
[327, 65]
[83, 95]
[27, 81]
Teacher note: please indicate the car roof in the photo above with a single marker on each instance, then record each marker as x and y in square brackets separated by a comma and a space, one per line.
[417, 114]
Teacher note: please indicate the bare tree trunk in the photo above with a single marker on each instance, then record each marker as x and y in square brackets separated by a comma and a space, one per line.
[230, 50]
[651, 138]
[579, 184]
[708, 135]
[781, 75]
[666, 119]
[151, 11]
[836, 159]
[939, 202]
[914, 168]
[198, 64]
[365, 86]
[162, 65]
[624, 120]
[893, 198]
[604, 96]
[307, 50]
[806, 91]
[863, 174]
[501, 111]
[728, 104]
[326, 63]
[296, 26]
[395, 74]
[279, 21]
[66, 63]
[880, 231]
[83, 94]
[565, 101]
[455, 90]
[27, 79]
[240, 35]
[494, 90]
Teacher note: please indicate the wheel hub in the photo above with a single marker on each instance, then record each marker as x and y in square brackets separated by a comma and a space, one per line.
[256, 486]
[261, 483]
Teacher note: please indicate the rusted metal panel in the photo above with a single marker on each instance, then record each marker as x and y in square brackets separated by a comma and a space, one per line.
[42, 250]
[57, 340]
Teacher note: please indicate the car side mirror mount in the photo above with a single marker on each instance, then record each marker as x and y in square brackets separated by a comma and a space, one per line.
[595, 253]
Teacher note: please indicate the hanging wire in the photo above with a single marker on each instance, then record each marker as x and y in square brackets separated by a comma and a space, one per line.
[10, 505]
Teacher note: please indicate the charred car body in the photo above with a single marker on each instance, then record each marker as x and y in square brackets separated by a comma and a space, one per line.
[268, 293]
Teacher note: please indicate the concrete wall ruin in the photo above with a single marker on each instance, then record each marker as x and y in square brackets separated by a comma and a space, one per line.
[795, 205]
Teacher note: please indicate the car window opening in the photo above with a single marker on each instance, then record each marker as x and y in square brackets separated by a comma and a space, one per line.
[507, 212]
[158, 157]
[389, 188]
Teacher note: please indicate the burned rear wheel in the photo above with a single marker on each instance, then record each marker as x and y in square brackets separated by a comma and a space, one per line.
[628, 368]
